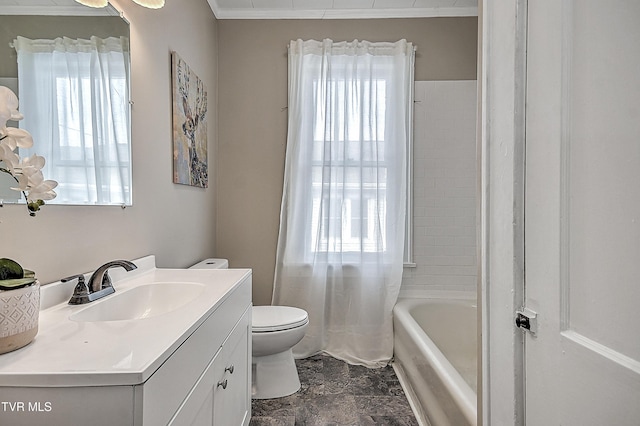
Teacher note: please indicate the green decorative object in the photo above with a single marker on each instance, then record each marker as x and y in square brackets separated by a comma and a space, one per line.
[19, 305]
[13, 276]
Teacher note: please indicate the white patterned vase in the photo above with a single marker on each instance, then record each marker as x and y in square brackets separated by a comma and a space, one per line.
[19, 312]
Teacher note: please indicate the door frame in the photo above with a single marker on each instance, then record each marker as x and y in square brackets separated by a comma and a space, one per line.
[501, 160]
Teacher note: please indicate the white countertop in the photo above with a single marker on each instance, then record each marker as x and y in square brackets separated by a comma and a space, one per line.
[70, 353]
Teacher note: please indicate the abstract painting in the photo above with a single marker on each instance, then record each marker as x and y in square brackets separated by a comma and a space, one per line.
[189, 126]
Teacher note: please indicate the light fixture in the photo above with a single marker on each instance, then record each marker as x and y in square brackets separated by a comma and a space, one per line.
[94, 3]
[151, 4]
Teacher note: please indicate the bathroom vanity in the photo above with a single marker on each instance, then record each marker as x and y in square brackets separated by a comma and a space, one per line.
[169, 347]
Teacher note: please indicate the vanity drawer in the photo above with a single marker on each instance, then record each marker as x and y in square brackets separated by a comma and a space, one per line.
[232, 394]
[158, 399]
[221, 397]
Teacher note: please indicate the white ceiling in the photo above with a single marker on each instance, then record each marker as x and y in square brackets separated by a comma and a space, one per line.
[274, 9]
[340, 9]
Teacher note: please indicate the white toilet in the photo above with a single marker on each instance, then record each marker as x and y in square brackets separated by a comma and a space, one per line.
[274, 331]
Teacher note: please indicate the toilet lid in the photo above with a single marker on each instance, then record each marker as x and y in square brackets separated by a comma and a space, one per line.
[277, 318]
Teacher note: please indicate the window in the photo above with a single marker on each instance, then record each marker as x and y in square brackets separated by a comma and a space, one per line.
[350, 156]
[348, 150]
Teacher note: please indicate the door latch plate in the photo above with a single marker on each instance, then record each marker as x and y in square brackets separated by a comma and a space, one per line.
[527, 320]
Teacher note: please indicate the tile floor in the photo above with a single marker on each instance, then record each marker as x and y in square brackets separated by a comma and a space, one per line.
[336, 393]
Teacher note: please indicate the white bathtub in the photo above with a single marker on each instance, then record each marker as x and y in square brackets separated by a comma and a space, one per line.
[435, 356]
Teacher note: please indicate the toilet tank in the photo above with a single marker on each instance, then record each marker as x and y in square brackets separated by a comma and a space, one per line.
[211, 264]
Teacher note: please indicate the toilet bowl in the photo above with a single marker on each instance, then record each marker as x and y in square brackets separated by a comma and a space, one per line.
[274, 331]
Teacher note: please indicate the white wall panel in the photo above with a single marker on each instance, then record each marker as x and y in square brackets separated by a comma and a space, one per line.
[444, 240]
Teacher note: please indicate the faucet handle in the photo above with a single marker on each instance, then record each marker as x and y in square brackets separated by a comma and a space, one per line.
[81, 292]
[80, 277]
[106, 280]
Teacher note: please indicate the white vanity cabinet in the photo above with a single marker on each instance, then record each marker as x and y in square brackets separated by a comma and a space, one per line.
[148, 372]
[207, 380]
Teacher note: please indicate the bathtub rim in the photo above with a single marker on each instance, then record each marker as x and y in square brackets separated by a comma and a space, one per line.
[454, 383]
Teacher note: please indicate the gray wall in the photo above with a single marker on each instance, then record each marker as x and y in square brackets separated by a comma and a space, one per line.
[252, 124]
[175, 222]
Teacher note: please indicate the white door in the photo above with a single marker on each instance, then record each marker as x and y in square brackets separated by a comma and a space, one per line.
[582, 212]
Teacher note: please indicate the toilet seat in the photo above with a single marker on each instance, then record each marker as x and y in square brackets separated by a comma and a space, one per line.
[268, 319]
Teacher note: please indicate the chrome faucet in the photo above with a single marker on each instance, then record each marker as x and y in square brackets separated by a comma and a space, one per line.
[99, 283]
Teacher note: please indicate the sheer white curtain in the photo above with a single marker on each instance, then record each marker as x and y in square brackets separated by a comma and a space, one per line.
[74, 95]
[342, 221]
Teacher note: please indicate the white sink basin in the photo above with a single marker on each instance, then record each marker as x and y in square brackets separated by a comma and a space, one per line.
[144, 301]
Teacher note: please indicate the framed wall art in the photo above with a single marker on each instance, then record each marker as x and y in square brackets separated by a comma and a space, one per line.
[189, 125]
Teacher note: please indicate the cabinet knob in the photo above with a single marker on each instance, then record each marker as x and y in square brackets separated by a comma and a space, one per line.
[229, 369]
[223, 384]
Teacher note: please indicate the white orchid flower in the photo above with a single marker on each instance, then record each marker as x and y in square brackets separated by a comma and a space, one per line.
[31, 181]
[28, 172]
[9, 157]
[11, 137]
[8, 106]
[44, 191]
[27, 176]
[16, 138]
[35, 161]
[10, 100]
[5, 115]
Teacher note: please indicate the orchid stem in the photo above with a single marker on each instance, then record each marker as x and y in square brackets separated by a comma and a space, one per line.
[2, 169]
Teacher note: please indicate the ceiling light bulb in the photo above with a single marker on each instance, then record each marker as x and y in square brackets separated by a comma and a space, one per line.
[151, 4]
[93, 3]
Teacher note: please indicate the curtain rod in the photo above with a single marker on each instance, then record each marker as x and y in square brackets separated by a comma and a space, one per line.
[415, 47]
